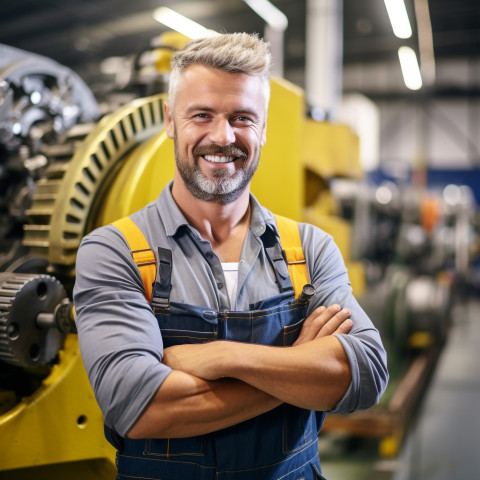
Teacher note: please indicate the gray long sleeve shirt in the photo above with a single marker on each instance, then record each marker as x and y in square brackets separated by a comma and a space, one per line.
[121, 343]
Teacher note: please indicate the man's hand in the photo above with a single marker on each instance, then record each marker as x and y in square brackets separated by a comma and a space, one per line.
[200, 360]
[323, 322]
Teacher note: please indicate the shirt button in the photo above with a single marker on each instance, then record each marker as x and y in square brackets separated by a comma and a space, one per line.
[220, 285]
[209, 255]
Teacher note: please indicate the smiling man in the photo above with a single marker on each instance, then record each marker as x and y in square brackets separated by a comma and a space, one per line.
[220, 372]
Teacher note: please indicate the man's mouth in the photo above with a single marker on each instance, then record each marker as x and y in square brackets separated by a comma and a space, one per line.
[219, 158]
[220, 154]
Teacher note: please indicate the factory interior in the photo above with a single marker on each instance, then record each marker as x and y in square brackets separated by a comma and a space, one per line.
[373, 136]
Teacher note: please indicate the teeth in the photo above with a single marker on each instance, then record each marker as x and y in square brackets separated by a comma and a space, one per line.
[218, 159]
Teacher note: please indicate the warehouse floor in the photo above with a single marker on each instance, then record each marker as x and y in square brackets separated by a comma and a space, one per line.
[443, 442]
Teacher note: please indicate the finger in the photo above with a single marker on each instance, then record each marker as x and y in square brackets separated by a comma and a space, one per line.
[344, 328]
[307, 332]
[317, 313]
[315, 322]
[334, 323]
[323, 318]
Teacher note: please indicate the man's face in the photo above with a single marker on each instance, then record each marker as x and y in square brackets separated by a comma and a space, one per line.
[218, 125]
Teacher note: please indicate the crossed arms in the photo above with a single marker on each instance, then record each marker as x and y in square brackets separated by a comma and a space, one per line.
[219, 384]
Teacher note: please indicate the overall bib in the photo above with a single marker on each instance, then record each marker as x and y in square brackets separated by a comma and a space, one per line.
[279, 445]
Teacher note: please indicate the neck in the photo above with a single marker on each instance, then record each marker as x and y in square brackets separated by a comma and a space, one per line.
[223, 225]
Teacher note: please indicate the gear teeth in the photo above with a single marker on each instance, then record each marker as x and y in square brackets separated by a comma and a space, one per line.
[73, 183]
[8, 293]
[22, 297]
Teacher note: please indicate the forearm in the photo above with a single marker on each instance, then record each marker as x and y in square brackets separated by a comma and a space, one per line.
[186, 406]
[314, 375]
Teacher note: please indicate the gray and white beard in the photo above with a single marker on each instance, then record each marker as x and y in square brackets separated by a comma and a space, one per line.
[222, 188]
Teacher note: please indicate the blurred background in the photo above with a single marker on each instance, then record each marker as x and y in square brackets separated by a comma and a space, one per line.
[373, 135]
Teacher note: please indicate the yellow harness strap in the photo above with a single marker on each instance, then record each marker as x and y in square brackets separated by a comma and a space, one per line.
[144, 257]
[292, 245]
[142, 254]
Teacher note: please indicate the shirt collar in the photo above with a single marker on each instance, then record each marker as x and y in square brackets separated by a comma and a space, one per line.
[261, 218]
[173, 218]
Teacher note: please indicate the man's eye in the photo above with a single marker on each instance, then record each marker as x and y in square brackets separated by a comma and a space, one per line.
[243, 119]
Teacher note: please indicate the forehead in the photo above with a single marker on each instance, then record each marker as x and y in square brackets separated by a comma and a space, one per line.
[217, 88]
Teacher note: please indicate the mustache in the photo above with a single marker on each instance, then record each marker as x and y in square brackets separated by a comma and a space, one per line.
[228, 150]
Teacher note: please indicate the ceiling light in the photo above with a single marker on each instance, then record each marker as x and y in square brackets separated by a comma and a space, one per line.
[399, 18]
[181, 24]
[271, 14]
[410, 68]
[425, 41]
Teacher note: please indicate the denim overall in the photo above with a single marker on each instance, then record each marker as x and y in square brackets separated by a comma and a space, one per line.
[281, 444]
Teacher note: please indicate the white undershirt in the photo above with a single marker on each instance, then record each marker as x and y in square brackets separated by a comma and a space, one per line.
[230, 271]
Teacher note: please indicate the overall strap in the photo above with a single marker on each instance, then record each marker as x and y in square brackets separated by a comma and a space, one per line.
[144, 257]
[142, 254]
[163, 280]
[292, 246]
[276, 256]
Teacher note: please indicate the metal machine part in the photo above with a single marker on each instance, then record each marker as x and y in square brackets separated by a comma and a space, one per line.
[39, 101]
[73, 185]
[36, 91]
[428, 230]
[417, 244]
[34, 318]
[35, 312]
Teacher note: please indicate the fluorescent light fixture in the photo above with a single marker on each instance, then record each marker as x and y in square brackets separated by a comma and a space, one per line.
[425, 41]
[399, 18]
[181, 24]
[269, 12]
[410, 69]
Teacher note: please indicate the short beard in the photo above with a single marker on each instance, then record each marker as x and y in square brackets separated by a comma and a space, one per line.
[220, 189]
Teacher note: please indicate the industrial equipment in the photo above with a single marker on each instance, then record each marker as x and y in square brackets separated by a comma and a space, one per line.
[48, 415]
[39, 101]
[418, 246]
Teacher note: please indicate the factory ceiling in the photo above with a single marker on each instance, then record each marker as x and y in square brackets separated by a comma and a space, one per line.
[82, 33]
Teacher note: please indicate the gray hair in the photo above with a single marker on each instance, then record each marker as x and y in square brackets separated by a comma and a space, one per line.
[231, 52]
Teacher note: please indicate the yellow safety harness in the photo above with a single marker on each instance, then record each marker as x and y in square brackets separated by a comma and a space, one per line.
[144, 257]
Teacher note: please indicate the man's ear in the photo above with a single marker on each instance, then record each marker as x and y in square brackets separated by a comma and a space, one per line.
[169, 126]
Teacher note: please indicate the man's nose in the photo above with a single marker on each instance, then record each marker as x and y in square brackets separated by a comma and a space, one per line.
[222, 132]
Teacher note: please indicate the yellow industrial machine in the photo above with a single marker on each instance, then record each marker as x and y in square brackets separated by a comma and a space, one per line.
[50, 425]
[331, 151]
